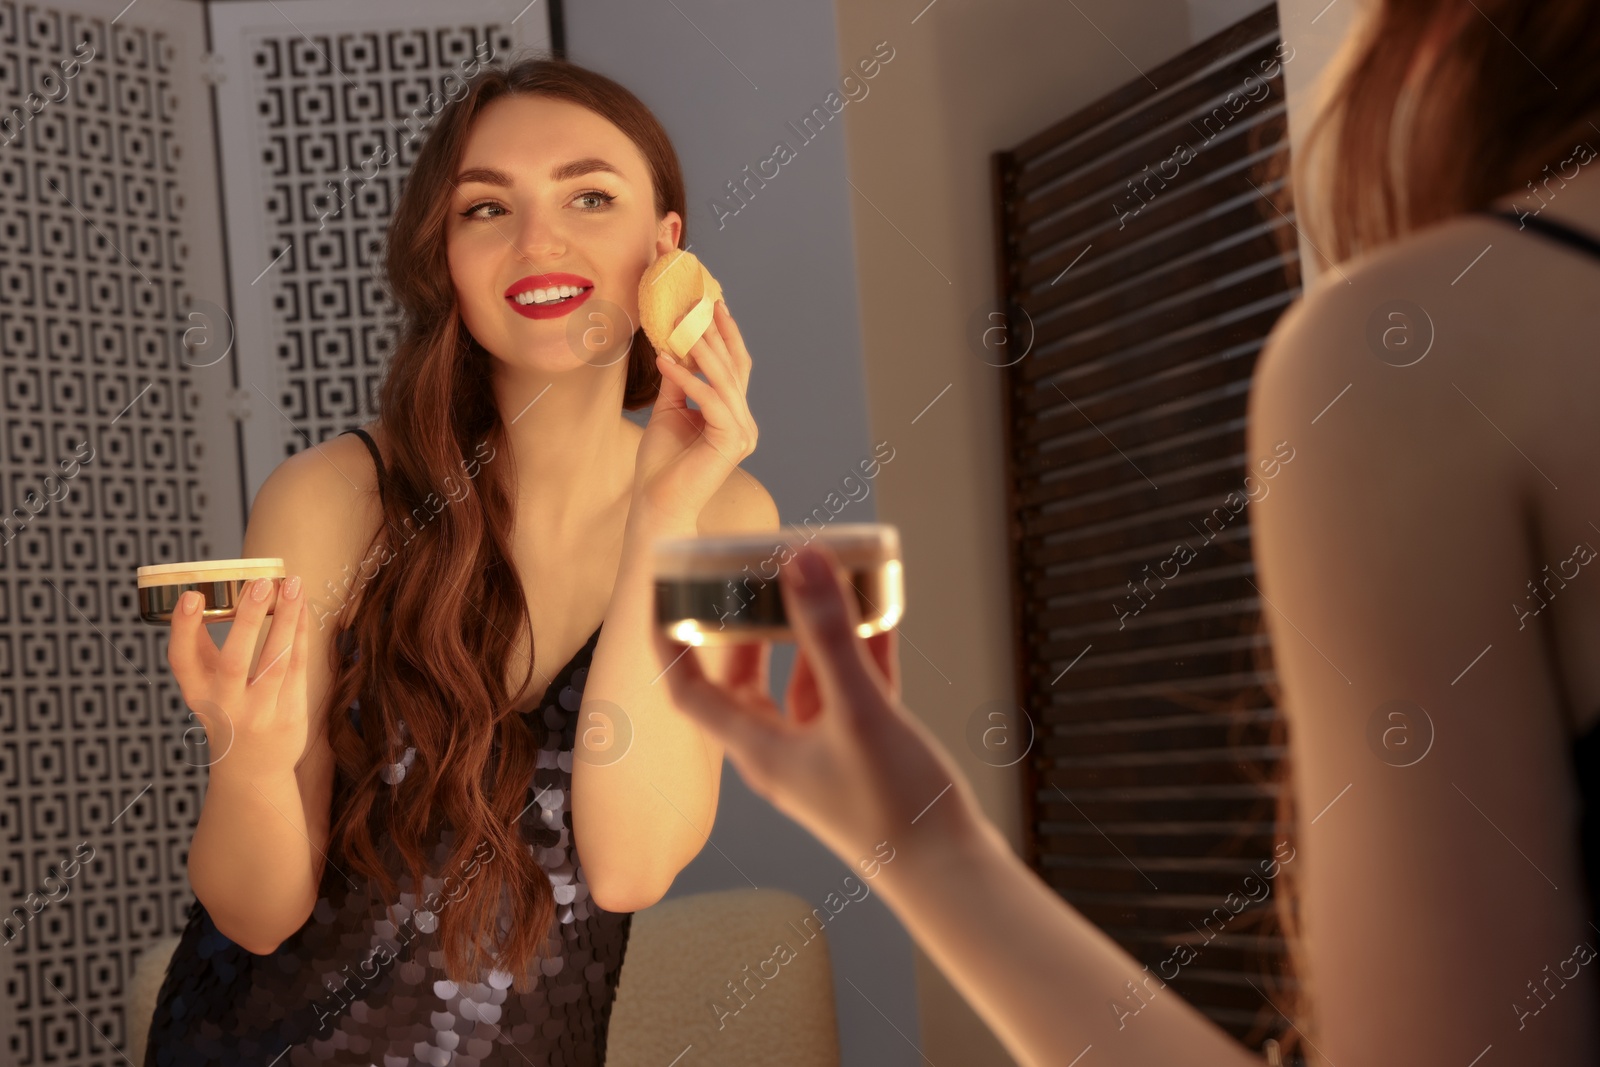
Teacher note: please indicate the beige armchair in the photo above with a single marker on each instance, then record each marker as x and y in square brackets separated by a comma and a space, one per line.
[730, 974]
[712, 979]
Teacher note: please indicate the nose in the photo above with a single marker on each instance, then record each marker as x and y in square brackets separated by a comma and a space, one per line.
[538, 236]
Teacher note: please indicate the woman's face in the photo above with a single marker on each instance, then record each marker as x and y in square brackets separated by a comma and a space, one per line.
[551, 197]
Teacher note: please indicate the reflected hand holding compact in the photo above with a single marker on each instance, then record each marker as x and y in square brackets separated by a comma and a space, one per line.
[723, 590]
[220, 582]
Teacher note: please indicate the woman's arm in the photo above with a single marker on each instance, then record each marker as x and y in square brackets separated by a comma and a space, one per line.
[644, 804]
[871, 782]
[647, 814]
[259, 849]
[1050, 983]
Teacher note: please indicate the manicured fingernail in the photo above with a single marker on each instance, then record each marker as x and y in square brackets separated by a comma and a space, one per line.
[260, 588]
[189, 602]
[291, 588]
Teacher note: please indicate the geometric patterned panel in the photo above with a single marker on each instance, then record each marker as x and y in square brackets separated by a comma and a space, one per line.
[148, 385]
[112, 337]
[323, 115]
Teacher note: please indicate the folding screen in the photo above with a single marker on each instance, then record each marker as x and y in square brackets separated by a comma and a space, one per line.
[176, 316]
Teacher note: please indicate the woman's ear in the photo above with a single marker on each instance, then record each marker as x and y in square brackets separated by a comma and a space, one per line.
[668, 231]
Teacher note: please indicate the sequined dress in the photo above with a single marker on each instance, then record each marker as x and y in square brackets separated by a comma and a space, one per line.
[326, 996]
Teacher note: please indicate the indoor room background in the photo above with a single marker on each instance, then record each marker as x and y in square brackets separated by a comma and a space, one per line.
[969, 264]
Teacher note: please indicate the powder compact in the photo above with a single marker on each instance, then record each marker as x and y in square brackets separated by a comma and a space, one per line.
[221, 582]
[723, 589]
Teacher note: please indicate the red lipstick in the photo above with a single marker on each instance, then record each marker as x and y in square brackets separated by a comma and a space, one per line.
[553, 280]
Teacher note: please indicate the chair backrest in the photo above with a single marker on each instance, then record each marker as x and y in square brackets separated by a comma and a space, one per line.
[739, 974]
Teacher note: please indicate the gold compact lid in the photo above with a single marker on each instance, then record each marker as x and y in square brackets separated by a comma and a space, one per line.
[211, 570]
[856, 544]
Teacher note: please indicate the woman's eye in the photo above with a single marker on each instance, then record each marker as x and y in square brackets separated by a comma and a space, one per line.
[488, 209]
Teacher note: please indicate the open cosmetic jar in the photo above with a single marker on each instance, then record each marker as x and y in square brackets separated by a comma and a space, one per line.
[223, 583]
[723, 590]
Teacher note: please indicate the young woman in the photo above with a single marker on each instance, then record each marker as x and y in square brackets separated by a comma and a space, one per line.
[1425, 572]
[421, 842]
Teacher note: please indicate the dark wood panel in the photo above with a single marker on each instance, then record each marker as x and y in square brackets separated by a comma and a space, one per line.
[1213, 486]
[1100, 367]
[1220, 694]
[1152, 782]
[1070, 213]
[1207, 445]
[1035, 155]
[1056, 350]
[1253, 252]
[1208, 622]
[1125, 533]
[1150, 255]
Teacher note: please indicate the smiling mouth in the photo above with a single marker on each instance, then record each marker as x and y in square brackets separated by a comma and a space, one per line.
[551, 297]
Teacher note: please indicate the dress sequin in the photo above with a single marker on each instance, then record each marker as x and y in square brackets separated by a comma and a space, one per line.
[330, 995]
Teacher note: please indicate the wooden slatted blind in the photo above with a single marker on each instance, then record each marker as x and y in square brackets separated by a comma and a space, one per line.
[1141, 255]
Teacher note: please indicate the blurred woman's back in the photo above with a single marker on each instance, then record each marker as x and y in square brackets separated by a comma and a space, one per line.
[1426, 570]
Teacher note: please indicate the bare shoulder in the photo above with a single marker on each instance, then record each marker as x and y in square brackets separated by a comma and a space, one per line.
[1420, 439]
[321, 503]
[1457, 362]
[344, 456]
[332, 478]
[1467, 298]
[741, 505]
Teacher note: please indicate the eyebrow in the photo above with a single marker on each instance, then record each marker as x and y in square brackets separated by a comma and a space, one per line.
[576, 168]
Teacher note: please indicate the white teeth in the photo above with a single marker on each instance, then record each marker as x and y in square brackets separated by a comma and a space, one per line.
[548, 296]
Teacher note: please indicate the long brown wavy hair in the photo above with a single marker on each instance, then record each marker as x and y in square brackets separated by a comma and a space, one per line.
[433, 629]
[1430, 109]
[1434, 108]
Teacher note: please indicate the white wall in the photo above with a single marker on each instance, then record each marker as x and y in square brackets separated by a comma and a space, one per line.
[1314, 29]
[1209, 16]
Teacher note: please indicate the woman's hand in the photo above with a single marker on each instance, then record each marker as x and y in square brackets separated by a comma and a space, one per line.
[848, 762]
[855, 768]
[686, 455]
[257, 727]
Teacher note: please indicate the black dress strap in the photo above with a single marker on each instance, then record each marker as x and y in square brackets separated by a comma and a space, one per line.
[372, 446]
[1556, 231]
